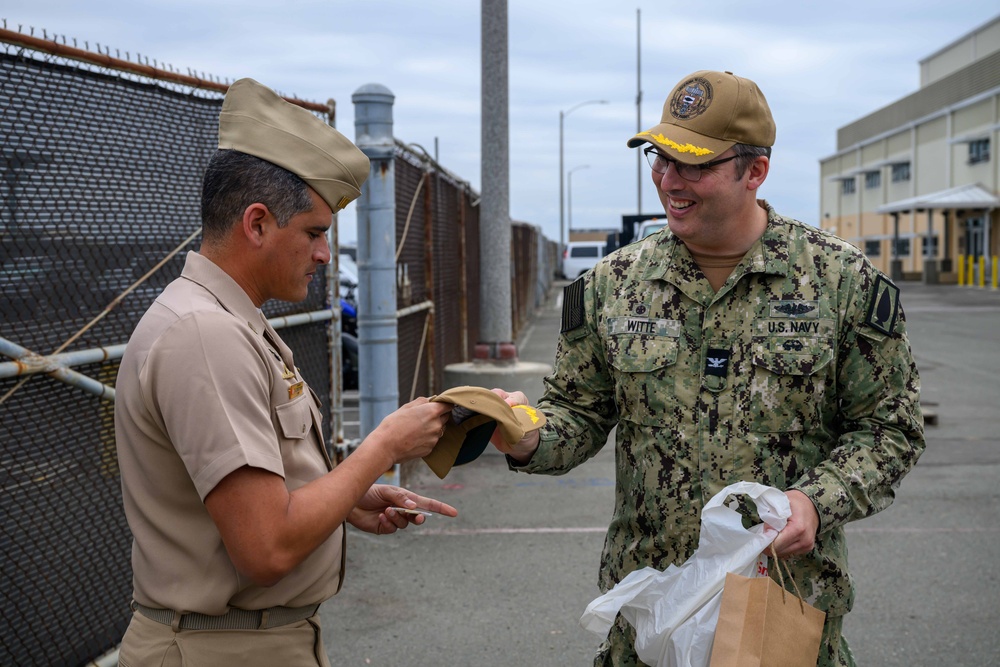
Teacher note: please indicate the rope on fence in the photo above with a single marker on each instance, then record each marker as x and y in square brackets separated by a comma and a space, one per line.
[420, 353]
[409, 215]
[107, 309]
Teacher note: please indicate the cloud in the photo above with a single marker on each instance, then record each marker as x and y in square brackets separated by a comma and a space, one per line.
[821, 67]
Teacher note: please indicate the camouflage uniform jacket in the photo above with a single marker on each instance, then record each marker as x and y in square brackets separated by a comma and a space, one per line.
[797, 374]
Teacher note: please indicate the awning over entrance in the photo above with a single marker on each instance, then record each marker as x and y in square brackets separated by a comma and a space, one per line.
[972, 196]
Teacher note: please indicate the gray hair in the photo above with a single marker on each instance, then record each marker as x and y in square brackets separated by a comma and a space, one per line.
[746, 154]
[235, 180]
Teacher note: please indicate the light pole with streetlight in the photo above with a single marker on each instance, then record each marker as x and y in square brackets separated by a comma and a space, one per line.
[562, 116]
[569, 177]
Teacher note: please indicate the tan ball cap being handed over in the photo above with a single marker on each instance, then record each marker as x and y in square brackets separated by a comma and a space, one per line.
[478, 412]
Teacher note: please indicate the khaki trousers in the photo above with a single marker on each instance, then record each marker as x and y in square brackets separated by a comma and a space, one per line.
[151, 644]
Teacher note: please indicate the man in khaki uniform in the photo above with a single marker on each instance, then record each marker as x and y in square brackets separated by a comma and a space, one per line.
[736, 344]
[236, 509]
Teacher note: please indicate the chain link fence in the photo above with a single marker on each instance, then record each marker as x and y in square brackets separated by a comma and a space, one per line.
[438, 267]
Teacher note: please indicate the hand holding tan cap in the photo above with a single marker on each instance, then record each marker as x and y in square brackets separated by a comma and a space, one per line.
[478, 413]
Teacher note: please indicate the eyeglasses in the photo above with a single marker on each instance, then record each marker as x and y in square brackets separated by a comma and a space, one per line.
[689, 172]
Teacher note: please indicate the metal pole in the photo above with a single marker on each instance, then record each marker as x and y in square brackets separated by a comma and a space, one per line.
[495, 342]
[562, 173]
[638, 109]
[29, 362]
[378, 380]
[569, 177]
[562, 223]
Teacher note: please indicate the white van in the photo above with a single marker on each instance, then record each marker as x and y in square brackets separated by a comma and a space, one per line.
[580, 257]
[650, 227]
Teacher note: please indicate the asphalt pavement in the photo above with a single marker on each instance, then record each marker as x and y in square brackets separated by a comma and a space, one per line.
[505, 583]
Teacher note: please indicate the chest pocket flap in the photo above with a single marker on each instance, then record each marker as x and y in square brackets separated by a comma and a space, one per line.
[295, 418]
[638, 345]
[644, 352]
[788, 382]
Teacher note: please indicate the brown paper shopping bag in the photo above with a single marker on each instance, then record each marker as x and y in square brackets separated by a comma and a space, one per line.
[763, 625]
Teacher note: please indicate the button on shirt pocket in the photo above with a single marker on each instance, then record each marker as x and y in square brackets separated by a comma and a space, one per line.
[644, 382]
[788, 382]
[295, 418]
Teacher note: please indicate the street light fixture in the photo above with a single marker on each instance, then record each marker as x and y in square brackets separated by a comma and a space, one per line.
[562, 116]
[569, 177]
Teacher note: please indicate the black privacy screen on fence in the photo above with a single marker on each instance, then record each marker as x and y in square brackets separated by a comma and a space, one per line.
[101, 180]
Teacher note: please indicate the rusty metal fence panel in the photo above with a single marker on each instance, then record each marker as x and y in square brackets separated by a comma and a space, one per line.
[101, 179]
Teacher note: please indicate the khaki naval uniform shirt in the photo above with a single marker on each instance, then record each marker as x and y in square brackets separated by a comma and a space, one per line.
[797, 373]
[205, 387]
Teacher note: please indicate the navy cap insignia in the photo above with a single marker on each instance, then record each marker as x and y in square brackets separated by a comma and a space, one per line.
[884, 306]
[691, 99]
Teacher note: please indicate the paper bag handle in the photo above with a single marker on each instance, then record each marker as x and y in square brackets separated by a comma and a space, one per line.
[781, 578]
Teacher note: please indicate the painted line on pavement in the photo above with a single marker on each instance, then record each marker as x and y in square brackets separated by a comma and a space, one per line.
[603, 529]
[526, 337]
[510, 531]
[861, 529]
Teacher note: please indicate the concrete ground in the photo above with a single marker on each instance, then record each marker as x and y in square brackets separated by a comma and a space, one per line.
[505, 582]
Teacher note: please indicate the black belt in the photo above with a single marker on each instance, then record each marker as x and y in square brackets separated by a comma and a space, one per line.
[234, 619]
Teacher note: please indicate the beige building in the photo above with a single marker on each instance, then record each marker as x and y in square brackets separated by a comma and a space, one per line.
[915, 184]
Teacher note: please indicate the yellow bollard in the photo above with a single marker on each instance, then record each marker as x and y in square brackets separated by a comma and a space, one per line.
[982, 272]
[961, 270]
[994, 274]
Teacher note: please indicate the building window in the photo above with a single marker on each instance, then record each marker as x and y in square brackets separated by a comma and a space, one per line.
[847, 186]
[979, 151]
[873, 248]
[903, 248]
[929, 249]
[873, 179]
[900, 172]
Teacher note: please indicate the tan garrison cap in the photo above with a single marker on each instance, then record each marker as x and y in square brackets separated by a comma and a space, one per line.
[708, 112]
[256, 121]
[478, 412]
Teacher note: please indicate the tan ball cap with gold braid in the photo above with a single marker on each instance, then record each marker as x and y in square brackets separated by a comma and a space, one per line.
[708, 112]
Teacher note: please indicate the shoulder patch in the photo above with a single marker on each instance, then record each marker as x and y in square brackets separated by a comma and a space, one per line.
[572, 307]
[884, 306]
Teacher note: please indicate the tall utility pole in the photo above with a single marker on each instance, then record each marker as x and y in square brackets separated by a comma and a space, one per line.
[562, 173]
[495, 321]
[495, 362]
[638, 108]
[569, 187]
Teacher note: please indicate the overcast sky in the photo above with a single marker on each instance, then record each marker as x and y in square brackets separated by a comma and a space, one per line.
[821, 66]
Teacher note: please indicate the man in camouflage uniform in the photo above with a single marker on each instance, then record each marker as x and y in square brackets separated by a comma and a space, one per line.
[735, 345]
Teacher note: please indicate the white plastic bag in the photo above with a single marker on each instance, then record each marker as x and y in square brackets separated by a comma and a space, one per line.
[674, 612]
